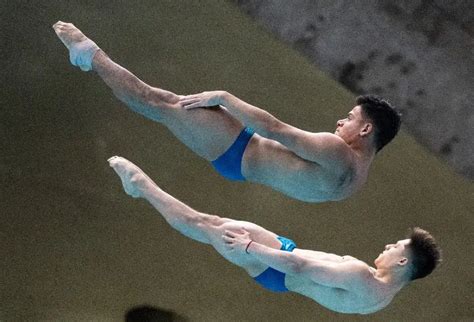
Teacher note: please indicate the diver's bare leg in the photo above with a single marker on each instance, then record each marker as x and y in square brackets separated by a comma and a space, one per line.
[208, 132]
[201, 227]
[181, 217]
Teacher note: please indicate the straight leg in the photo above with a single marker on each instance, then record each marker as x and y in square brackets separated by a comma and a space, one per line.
[206, 131]
[201, 227]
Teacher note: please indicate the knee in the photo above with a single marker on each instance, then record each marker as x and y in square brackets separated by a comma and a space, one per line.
[211, 220]
[161, 98]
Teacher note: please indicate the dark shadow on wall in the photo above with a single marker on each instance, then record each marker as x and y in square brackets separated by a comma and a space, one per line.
[148, 313]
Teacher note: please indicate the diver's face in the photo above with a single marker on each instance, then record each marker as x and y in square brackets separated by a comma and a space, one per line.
[393, 254]
[350, 127]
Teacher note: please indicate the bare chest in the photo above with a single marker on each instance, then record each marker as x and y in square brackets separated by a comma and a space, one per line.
[336, 299]
[272, 164]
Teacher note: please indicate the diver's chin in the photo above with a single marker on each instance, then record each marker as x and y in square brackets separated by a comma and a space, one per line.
[377, 260]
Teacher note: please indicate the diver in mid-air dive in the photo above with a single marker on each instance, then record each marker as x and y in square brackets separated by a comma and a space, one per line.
[340, 283]
[244, 142]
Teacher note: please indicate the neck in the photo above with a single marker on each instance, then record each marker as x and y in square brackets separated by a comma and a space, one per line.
[364, 151]
[394, 280]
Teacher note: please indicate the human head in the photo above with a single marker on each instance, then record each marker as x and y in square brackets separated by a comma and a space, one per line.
[414, 257]
[355, 127]
[425, 253]
[385, 118]
[395, 257]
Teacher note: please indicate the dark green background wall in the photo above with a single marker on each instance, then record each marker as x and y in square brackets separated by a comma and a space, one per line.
[76, 248]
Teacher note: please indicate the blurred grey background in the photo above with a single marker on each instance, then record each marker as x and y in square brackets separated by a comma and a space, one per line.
[76, 248]
[418, 53]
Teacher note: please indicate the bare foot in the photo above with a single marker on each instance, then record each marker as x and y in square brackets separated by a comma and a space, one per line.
[68, 33]
[135, 182]
[81, 49]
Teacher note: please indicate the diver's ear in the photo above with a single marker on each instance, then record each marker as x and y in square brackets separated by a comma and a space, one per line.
[403, 261]
[366, 130]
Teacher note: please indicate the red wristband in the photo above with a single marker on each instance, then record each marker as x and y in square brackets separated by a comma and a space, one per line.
[248, 246]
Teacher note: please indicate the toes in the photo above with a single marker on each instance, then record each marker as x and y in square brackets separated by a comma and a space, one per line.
[63, 26]
[111, 158]
[119, 161]
[114, 160]
[58, 25]
[122, 166]
[59, 30]
[119, 165]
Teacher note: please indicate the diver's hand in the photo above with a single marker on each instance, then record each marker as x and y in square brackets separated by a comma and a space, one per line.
[237, 241]
[203, 99]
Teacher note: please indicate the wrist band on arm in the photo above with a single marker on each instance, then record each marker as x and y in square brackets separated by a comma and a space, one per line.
[246, 248]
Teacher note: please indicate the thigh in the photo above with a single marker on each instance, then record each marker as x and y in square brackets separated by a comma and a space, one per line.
[257, 233]
[209, 132]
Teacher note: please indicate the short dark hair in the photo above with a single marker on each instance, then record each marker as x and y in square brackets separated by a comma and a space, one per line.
[385, 117]
[425, 252]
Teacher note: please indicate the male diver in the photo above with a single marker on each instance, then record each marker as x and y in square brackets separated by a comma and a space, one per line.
[340, 283]
[244, 142]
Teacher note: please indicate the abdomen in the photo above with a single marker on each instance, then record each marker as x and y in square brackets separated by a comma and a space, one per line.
[270, 163]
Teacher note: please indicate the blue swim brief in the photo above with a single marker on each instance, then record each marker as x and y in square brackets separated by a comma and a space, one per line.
[272, 279]
[229, 164]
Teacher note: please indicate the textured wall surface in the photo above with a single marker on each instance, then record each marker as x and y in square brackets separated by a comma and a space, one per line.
[418, 54]
[75, 247]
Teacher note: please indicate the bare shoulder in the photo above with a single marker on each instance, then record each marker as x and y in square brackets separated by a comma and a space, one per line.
[332, 145]
[363, 279]
[328, 138]
[358, 271]
[355, 265]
